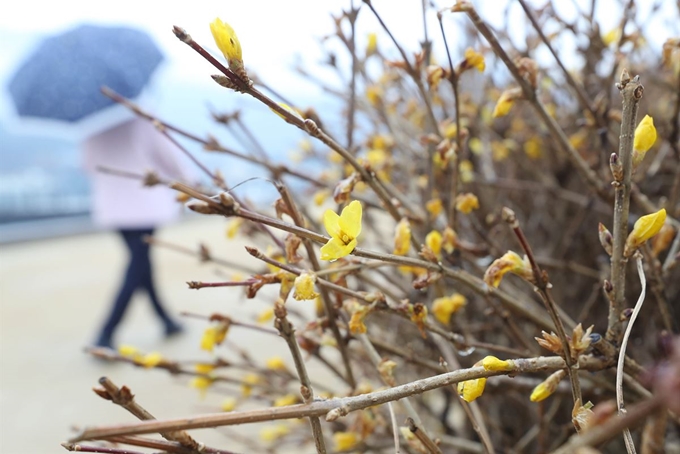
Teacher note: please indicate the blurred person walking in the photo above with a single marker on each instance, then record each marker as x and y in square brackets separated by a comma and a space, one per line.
[135, 211]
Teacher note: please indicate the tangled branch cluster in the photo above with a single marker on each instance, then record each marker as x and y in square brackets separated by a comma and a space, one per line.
[441, 186]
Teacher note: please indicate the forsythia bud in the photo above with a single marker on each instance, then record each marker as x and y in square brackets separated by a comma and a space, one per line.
[644, 228]
[547, 387]
[645, 136]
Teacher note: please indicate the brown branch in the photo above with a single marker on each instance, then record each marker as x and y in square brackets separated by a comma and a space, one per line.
[333, 408]
[631, 92]
[543, 285]
[124, 398]
[325, 298]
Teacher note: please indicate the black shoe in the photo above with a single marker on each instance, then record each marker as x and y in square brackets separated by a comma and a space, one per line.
[173, 329]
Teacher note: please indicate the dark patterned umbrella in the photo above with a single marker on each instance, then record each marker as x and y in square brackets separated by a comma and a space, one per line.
[61, 80]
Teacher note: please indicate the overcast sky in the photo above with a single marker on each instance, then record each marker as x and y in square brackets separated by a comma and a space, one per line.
[273, 33]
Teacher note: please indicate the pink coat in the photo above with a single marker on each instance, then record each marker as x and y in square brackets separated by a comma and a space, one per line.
[124, 203]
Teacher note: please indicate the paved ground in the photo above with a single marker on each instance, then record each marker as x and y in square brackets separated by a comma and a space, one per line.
[53, 295]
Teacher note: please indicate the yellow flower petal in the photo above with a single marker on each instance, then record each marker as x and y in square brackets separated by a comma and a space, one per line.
[505, 102]
[344, 441]
[150, 360]
[540, 392]
[372, 44]
[644, 228]
[509, 263]
[128, 351]
[233, 227]
[276, 363]
[304, 287]
[493, 363]
[434, 207]
[350, 219]
[331, 220]
[203, 368]
[226, 40]
[471, 389]
[402, 237]
[343, 229]
[248, 382]
[273, 433]
[433, 240]
[466, 203]
[645, 136]
[214, 335]
[474, 60]
[265, 315]
[443, 308]
[284, 401]
[228, 404]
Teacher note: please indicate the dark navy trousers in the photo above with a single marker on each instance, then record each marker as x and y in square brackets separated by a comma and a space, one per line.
[138, 276]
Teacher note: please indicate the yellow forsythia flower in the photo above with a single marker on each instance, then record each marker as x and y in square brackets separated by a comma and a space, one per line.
[467, 171]
[150, 360]
[214, 335]
[203, 368]
[372, 44]
[228, 404]
[435, 73]
[265, 315]
[644, 228]
[304, 287]
[359, 313]
[273, 433]
[533, 147]
[321, 196]
[233, 227]
[466, 203]
[284, 401]
[474, 60]
[402, 237]
[645, 136]
[505, 102]
[343, 229]
[128, 351]
[449, 240]
[612, 36]
[344, 441]
[471, 389]
[201, 383]
[433, 240]
[227, 41]
[248, 382]
[434, 207]
[509, 263]
[276, 363]
[374, 94]
[443, 308]
[493, 363]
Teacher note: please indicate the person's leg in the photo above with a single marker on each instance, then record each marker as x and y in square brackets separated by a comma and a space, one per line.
[131, 281]
[171, 327]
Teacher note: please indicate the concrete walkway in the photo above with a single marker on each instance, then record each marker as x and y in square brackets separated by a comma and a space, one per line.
[53, 296]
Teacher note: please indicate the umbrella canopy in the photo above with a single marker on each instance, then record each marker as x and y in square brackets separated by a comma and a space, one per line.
[61, 80]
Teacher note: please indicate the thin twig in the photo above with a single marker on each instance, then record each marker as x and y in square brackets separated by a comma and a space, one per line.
[543, 285]
[422, 437]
